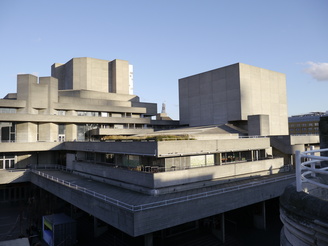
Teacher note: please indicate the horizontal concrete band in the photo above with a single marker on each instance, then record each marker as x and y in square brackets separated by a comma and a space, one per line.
[159, 217]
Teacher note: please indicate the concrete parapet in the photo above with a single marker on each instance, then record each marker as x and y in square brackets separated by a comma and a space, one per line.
[175, 181]
[305, 218]
[14, 176]
[138, 214]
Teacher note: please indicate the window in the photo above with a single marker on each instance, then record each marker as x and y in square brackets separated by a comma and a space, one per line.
[110, 158]
[87, 113]
[7, 131]
[8, 111]
[89, 156]
[61, 112]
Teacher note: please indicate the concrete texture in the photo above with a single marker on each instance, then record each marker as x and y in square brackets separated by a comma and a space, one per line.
[44, 103]
[154, 218]
[87, 73]
[231, 94]
[305, 218]
[167, 182]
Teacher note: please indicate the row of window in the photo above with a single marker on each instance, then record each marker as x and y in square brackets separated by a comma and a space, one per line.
[102, 114]
[304, 124]
[310, 129]
[8, 111]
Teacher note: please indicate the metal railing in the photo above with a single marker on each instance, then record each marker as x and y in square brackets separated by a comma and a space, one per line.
[306, 171]
[135, 208]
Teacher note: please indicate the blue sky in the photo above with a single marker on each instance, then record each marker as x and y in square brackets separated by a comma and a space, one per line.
[172, 39]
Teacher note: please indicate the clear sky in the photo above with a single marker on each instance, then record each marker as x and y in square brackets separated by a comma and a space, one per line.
[166, 40]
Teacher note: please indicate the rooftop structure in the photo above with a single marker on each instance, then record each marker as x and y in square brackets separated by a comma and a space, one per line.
[87, 73]
[233, 94]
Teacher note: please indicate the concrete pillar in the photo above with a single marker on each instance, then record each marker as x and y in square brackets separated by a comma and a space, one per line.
[48, 132]
[98, 230]
[218, 159]
[222, 226]
[259, 219]
[218, 227]
[26, 132]
[148, 239]
[71, 132]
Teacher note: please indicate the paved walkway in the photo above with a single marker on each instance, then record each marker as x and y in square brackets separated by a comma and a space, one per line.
[135, 198]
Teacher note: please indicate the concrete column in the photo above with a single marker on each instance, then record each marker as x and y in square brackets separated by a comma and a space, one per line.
[71, 132]
[218, 227]
[218, 159]
[98, 230]
[26, 132]
[222, 226]
[259, 219]
[48, 132]
[148, 239]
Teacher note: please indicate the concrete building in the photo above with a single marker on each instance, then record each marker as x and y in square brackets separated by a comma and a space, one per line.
[233, 94]
[91, 143]
[94, 74]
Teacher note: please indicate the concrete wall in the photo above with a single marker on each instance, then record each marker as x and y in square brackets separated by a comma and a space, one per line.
[87, 73]
[259, 125]
[210, 98]
[167, 182]
[30, 147]
[16, 176]
[26, 132]
[177, 148]
[264, 92]
[40, 96]
[120, 76]
[223, 172]
[132, 148]
[233, 93]
[48, 132]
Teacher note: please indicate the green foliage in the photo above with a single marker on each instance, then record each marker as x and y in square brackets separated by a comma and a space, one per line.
[150, 137]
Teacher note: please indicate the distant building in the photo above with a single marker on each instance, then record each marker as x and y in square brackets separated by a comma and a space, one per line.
[305, 124]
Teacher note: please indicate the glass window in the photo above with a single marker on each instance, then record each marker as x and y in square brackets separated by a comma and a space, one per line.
[80, 132]
[110, 158]
[89, 156]
[8, 111]
[61, 129]
[61, 112]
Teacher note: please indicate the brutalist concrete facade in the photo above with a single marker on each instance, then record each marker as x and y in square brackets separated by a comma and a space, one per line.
[232, 94]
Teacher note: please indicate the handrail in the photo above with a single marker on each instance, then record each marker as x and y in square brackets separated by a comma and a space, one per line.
[135, 208]
[307, 170]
